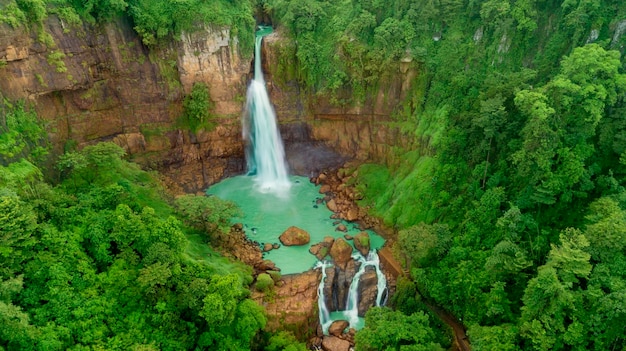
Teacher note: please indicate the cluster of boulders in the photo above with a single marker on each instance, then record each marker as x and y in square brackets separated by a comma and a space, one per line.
[341, 198]
[339, 337]
[237, 245]
[339, 250]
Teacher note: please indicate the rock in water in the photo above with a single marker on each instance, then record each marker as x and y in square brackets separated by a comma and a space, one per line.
[337, 327]
[294, 236]
[368, 290]
[332, 205]
[362, 243]
[333, 343]
[320, 250]
[340, 252]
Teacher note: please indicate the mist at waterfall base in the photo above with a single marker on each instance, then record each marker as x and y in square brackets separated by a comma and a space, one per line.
[272, 201]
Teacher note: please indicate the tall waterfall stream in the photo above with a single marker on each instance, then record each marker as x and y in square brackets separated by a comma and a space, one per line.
[271, 201]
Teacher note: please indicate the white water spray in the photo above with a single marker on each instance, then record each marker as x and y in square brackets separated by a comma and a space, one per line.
[325, 320]
[351, 314]
[352, 303]
[264, 153]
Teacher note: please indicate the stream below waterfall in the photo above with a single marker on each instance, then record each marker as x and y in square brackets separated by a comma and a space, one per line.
[272, 201]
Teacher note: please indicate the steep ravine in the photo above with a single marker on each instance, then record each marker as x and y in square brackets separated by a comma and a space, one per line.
[108, 86]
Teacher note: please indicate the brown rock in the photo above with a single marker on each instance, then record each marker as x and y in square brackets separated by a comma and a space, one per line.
[294, 236]
[348, 237]
[322, 178]
[276, 246]
[368, 290]
[329, 240]
[341, 228]
[333, 343]
[266, 265]
[341, 284]
[319, 250]
[352, 214]
[332, 205]
[267, 247]
[337, 327]
[294, 304]
[362, 243]
[340, 252]
[324, 189]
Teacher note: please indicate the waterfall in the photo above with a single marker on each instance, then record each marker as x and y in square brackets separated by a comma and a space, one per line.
[351, 314]
[325, 320]
[352, 304]
[265, 155]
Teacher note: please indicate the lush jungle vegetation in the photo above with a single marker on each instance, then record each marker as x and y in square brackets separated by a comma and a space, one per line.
[101, 258]
[510, 208]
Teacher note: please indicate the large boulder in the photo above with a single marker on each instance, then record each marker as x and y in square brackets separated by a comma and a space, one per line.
[337, 327]
[362, 243]
[352, 213]
[340, 252]
[333, 343]
[332, 205]
[294, 236]
[367, 290]
[343, 280]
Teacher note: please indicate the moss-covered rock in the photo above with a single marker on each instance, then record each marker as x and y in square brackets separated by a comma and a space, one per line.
[264, 282]
[362, 243]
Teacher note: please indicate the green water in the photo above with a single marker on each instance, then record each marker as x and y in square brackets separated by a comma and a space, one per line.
[267, 215]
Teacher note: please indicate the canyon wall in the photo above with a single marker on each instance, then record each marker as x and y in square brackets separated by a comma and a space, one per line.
[359, 131]
[100, 83]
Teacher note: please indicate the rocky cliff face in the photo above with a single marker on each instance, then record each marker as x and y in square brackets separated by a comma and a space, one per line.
[358, 131]
[97, 83]
[100, 83]
[294, 306]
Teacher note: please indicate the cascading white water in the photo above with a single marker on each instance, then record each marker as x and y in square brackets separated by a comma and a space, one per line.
[265, 154]
[352, 304]
[351, 314]
[325, 320]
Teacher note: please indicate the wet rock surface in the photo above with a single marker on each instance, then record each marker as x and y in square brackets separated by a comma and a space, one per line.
[337, 327]
[362, 243]
[340, 252]
[294, 236]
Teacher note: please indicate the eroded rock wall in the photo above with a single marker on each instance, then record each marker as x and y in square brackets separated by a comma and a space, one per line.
[294, 305]
[100, 83]
[359, 131]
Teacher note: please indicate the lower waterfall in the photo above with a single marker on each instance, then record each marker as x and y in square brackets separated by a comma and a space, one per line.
[351, 314]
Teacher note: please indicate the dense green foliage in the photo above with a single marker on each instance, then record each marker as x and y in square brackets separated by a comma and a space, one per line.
[197, 107]
[155, 21]
[388, 330]
[511, 207]
[100, 261]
